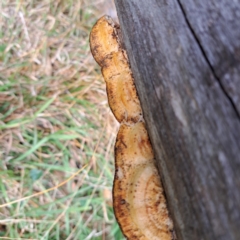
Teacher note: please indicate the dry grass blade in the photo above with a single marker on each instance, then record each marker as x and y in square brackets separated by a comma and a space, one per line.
[45, 191]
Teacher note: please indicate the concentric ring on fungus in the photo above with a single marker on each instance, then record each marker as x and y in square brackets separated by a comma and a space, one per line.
[138, 196]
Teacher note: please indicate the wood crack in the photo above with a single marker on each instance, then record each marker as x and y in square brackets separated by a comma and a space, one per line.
[207, 60]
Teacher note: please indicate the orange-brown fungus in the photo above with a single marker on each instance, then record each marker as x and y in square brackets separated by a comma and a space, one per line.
[138, 196]
[122, 95]
[106, 50]
[139, 201]
[103, 39]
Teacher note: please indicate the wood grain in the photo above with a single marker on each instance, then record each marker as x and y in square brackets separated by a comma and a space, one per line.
[185, 60]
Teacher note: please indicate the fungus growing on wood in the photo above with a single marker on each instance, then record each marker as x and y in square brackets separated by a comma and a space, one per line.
[103, 39]
[138, 196]
[121, 91]
[106, 50]
[139, 201]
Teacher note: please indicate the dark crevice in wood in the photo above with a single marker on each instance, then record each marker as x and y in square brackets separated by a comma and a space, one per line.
[206, 58]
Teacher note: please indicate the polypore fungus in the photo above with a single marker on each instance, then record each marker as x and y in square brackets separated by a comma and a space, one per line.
[122, 95]
[138, 196]
[139, 202]
[107, 51]
[104, 28]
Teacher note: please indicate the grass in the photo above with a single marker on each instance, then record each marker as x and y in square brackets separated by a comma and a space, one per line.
[54, 122]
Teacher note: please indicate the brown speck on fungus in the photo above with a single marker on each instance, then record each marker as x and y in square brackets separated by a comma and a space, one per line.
[138, 196]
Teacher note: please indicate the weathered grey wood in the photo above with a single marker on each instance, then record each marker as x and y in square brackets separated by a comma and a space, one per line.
[185, 57]
[216, 26]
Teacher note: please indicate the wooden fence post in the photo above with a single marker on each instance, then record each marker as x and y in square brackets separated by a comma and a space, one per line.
[185, 58]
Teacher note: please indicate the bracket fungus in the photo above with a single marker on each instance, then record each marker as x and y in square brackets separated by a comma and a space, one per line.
[138, 196]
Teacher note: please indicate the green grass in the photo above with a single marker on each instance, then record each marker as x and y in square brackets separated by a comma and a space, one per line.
[54, 120]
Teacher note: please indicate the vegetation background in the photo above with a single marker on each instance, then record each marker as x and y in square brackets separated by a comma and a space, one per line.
[54, 120]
